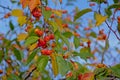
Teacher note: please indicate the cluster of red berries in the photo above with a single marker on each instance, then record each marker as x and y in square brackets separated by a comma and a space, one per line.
[43, 41]
[37, 13]
[102, 35]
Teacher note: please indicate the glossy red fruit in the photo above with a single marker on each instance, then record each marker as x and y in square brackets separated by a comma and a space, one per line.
[64, 11]
[1, 71]
[69, 74]
[51, 36]
[118, 18]
[92, 4]
[46, 52]
[101, 32]
[65, 25]
[88, 43]
[76, 27]
[42, 43]
[52, 16]
[37, 13]
[87, 28]
[47, 8]
[64, 48]
[38, 32]
[46, 38]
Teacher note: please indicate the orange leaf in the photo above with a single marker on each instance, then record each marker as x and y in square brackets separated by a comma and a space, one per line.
[33, 4]
[86, 76]
[24, 3]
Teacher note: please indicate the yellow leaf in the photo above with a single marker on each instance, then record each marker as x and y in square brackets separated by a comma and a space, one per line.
[33, 4]
[84, 39]
[21, 36]
[32, 47]
[24, 3]
[22, 20]
[59, 23]
[17, 12]
[99, 19]
[58, 13]
[54, 64]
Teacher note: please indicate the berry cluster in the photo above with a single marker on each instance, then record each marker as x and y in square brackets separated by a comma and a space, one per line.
[37, 13]
[44, 40]
[102, 35]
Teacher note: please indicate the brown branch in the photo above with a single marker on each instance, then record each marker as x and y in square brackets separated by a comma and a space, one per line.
[30, 73]
[112, 30]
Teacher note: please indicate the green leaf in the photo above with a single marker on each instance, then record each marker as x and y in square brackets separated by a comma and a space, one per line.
[11, 25]
[67, 34]
[1, 55]
[115, 1]
[46, 14]
[85, 53]
[76, 42]
[98, 1]
[108, 12]
[32, 55]
[13, 77]
[42, 62]
[116, 5]
[62, 69]
[80, 13]
[54, 25]
[58, 35]
[101, 72]
[65, 40]
[106, 44]
[31, 40]
[17, 54]
[93, 34]
[116, 70]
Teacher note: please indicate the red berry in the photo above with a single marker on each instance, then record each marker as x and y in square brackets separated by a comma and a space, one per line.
[37, 13]
[64, 48]
[118, 18]
[69, 74]
[42, 43]
[76, 27]
[101, 32]
[52, 16]
[51, 36]
[92, 4]
[46, 52]
[65, 25]
[87, 28]
[38, 32]
[46, 38]
[47, 8]
[64, 11]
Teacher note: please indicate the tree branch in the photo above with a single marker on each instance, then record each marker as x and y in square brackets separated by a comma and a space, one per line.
[112, 31]
[30, 73]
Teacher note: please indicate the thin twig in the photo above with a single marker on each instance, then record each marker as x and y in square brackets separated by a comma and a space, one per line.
[30, 73]
[112, 30]
[5, 7]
